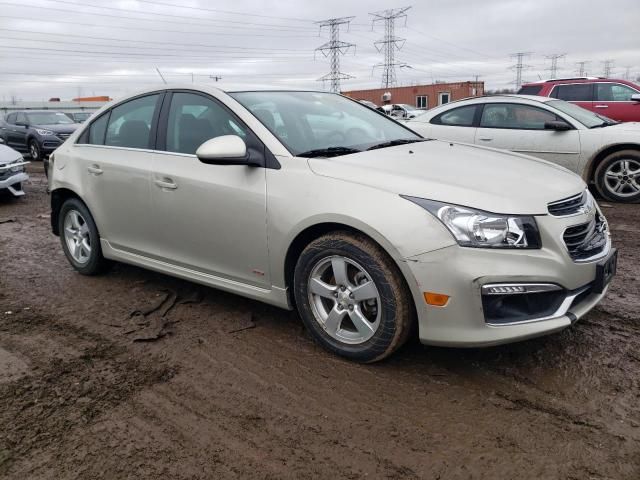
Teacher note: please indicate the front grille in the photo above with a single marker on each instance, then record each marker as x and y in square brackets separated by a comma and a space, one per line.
[587, 239]
[568, 206]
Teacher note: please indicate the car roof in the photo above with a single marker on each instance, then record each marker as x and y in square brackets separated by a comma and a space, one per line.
[578, 80]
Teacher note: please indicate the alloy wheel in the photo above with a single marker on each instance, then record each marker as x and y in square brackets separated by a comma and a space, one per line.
[622, 177]
[77, 236]
[344, 299]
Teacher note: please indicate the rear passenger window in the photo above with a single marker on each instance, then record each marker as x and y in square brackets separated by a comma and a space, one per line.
[459, 117]
[98, 130]
[130, 123]
[577, 92]
[530, 90]
[194, 119]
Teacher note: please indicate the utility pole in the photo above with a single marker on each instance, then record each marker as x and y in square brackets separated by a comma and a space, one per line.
[519, 66]
[582, 68]
[390, 43]
[606, 70]
[333, 49]
[163, 80]
[553, 69]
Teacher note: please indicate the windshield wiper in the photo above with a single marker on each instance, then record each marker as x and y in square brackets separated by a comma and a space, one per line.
[602, 125]
[328, 152]
[399, 141]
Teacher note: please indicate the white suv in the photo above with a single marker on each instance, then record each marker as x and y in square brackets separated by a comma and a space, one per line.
[364, 229]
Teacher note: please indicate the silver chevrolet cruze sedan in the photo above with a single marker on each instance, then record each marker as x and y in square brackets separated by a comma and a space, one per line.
[309, 200]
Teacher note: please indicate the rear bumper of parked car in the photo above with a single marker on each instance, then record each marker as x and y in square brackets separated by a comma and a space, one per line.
[468, 319]
[10, 182]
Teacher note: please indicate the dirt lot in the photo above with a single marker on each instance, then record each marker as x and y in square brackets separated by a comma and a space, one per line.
[237, 389]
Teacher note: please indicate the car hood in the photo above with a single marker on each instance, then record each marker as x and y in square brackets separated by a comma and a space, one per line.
[483, 178]
[56, 128]
[623, 127]
[8, 155]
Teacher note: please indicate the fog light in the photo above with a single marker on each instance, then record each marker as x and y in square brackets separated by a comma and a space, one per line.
[436, 299]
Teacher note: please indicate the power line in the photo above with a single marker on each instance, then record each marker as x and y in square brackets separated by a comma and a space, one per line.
[519, 66]
[553, 69]
[390, 43]
[333, 49]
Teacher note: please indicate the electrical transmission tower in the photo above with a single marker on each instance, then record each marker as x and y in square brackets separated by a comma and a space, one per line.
[333, 49]
[627, 73]
[553, 69]
[390, 43]
[582, 72]
[606, 70]
[519, 66]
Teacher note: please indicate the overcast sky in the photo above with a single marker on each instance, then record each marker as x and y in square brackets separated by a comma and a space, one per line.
[66, 48]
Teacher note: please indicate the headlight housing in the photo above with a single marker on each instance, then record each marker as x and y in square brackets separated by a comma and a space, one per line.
[477, 228]
[44, 132]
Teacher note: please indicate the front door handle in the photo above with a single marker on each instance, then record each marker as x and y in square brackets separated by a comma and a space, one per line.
[166, 183]
[486, 139]
[602, 106]
[95, 170]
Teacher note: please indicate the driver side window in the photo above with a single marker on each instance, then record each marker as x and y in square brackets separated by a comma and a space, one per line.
[194, 119]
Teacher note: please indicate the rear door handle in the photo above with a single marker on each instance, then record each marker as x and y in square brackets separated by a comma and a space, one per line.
[602, 106]
[167, 183]
[95, 170]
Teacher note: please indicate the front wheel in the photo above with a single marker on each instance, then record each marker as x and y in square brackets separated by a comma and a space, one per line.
[617, 177]
[352, 297]
[34, 151]
[80, 238]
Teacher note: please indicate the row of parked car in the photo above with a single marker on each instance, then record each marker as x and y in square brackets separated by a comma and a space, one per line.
[312, 201]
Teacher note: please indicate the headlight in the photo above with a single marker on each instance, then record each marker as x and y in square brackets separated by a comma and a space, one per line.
[477, 228]
[44, 133]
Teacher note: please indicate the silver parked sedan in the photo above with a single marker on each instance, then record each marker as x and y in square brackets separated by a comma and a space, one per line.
[12, 173]
[312, 201]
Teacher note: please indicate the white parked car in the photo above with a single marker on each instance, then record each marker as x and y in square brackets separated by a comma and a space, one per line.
[602, 151]
[363, 236]
[12, 174]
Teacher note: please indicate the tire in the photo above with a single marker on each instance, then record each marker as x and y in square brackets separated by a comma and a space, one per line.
[617, 177]
[86, 258]
[327, 310]
[34, 151]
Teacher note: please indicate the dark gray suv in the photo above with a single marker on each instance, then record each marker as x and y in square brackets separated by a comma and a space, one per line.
[37, 132]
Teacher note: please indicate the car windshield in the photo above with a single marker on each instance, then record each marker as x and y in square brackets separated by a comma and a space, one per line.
[310, 123]
[81, 116]
[585, 117]
[48, 118]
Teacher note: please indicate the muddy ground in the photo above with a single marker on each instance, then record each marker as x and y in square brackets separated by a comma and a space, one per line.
[237, 389]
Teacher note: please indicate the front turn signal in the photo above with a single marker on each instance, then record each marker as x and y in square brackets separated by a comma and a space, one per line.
[436, 299]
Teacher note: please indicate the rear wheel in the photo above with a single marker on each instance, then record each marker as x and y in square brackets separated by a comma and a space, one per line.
[352, 297]
[80, 238]
[34, 151]
[617, 177]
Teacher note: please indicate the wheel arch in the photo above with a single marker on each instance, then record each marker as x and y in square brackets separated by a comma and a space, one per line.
[58, 197]
[589, 172]
[316, 230]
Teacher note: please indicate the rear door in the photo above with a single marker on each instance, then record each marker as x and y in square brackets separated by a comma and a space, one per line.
[455, 125]
[613, 100]
[208, 218]
[582, 94]
[520, 128]
[116, 159]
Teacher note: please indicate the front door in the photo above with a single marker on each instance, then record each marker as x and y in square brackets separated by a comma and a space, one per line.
[520, 128]
[208, 218]
[613, 100]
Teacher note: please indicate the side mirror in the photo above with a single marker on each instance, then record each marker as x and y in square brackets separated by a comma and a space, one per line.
[224, 150]
[557, 125]
[635, 97]
[22, 124]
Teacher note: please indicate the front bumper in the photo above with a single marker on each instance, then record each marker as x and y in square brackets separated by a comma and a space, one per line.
[462, 272]
[10, 183]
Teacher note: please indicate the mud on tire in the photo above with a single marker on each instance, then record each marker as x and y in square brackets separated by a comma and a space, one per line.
[392, 312]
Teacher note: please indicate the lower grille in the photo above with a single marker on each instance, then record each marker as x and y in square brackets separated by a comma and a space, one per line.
[587, 239]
